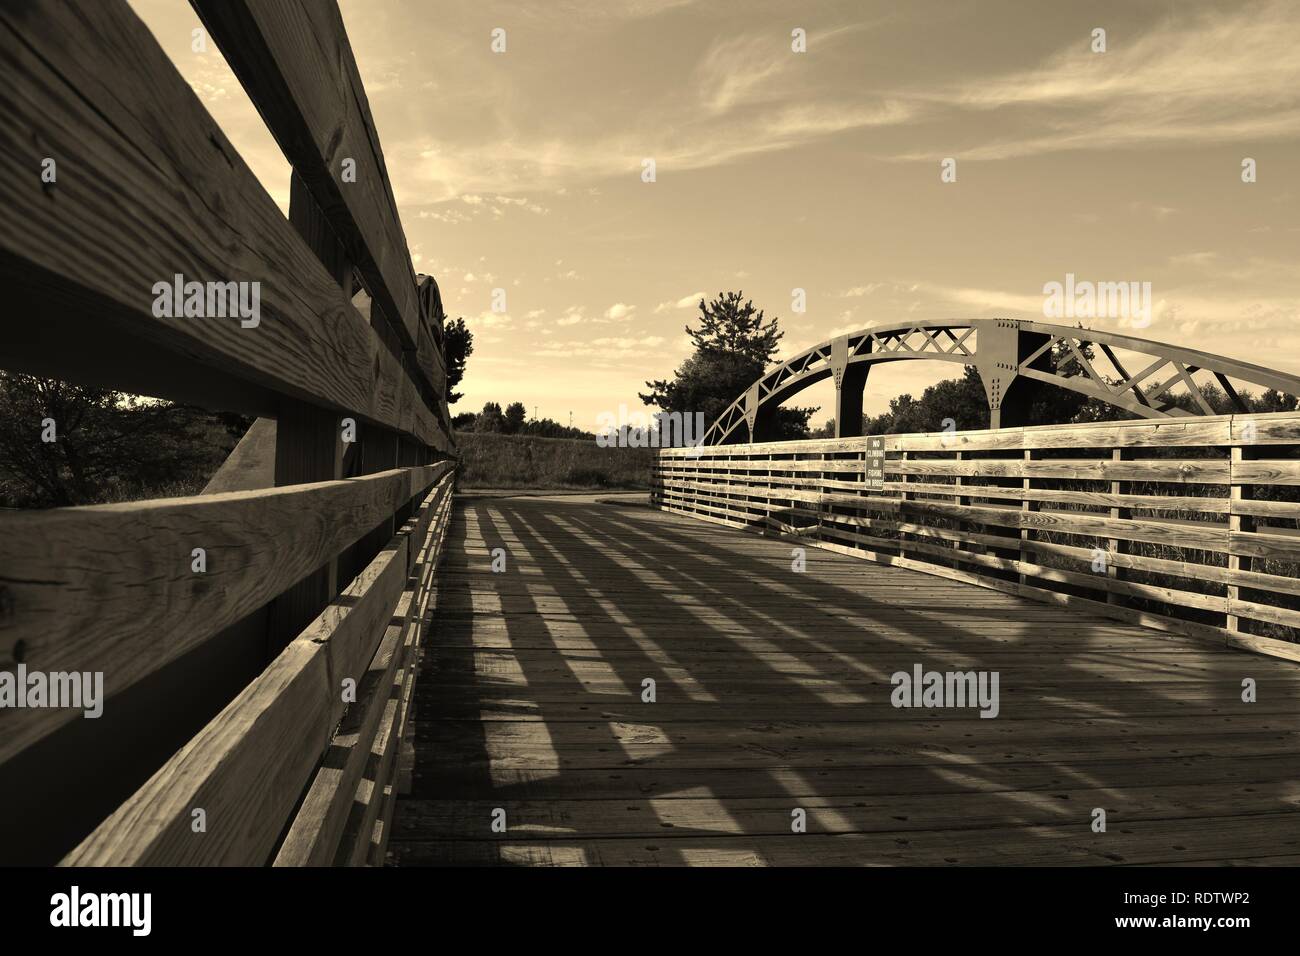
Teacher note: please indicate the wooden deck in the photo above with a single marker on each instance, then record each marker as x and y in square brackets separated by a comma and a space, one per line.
[773, 693]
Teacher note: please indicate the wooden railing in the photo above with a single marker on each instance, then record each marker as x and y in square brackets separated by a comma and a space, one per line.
[255, 700]
[1189, 526]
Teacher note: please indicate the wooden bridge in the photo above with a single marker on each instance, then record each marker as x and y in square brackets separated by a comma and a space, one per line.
[773, 694]
[333, 657]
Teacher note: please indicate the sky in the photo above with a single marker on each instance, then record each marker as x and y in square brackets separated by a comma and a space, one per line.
[821, 170]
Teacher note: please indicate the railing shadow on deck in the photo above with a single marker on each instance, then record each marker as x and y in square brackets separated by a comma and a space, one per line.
[593, 600]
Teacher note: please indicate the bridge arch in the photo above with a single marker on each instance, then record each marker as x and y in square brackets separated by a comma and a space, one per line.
[1012, 358]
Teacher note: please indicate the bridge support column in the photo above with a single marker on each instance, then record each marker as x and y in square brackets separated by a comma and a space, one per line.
[850, 380]
[760, 418]
[848, 401]
[1000, 349]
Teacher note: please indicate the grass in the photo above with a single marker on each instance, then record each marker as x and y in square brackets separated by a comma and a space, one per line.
[529, 462]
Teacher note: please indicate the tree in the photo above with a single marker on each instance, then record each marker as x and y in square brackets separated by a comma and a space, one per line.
[734, 345]
[728, 326]
[107, 446]
[1271, 400]
[514, 418]
[490, 419]
[458, 345]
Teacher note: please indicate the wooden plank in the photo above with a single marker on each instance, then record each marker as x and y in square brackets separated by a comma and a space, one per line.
[82, 261]
[429, 362]
[773, 692]
[247, 769]
[1181, 471]
[1276, 428]
[251, 465]
[308, 449]
[368, 799]
[111, 588]
[1195, 470]
[297, 66]
[1266, 472]
[1258, 837]
[1164, 433]
[1125, 614]
[318, 825]
[752, 816]
[649, 782]
[309, 444]
[1260, 544]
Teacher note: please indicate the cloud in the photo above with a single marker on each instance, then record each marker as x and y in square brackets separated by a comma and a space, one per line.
[608, 347]
[735, 69]
[619, 311]
[685, 302]
[860, 290]
[490, 320]
[1209, 75]
[996, 300]
[1193, 259]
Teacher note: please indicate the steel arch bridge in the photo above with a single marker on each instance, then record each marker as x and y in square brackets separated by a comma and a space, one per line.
[1012, 357]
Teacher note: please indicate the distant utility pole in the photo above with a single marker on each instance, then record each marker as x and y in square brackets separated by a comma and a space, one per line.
[570, 419]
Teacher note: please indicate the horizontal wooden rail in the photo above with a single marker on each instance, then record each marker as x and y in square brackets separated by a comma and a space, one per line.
[294, 60]
[248, 769]
[148, 188]
[1181, 525]
[178, 606]
[113, 588]
[338, 789]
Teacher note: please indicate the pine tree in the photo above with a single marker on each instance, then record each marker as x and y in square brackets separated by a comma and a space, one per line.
[727, 325]
[734, 345]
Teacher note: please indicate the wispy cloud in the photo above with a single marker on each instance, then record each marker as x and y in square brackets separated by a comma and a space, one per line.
[685, 302]
[1205, 74]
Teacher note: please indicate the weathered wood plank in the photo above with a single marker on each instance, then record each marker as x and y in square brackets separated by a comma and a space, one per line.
[318, 826]
[296, 64]
[248, 768]
[151, 188]
[112, 588]
[773, 691]
[251, 465]
[756, 815]
[244, 771]
[1261, 837]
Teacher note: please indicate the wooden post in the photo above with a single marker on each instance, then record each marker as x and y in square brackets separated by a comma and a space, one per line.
[961, 500]
[308, 439]
[770, 487]
[1026, 506]
[308, 448]
[377, 452]
[902, 502]
[1236, 522]
[1116, 545]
